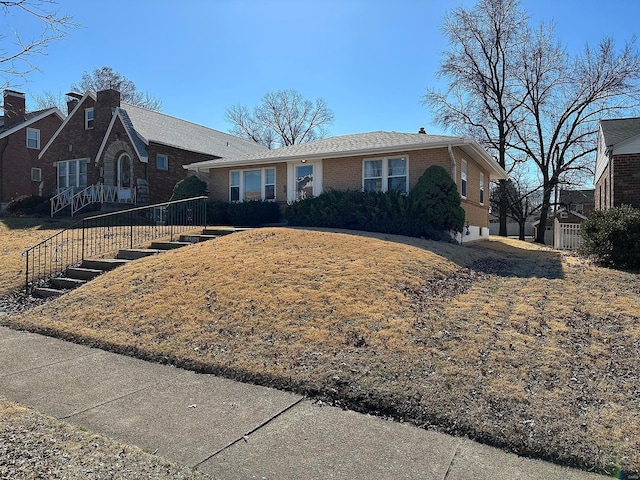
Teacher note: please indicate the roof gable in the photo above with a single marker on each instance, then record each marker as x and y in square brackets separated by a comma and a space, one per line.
[66, 120]
[32, 118]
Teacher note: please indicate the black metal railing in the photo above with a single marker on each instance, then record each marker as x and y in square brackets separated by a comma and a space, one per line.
[100, 235]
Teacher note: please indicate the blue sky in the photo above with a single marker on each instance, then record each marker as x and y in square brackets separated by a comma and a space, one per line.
[371, 60]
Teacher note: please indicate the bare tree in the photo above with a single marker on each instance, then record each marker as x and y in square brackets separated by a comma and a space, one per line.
[17, 52]
[483, 98]
[106, 77]
[282, 118]
[565, 97]
[523, 200]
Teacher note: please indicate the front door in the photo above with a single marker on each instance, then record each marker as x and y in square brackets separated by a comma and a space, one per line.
[124, 178]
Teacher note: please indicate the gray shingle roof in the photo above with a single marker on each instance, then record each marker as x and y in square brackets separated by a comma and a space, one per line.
[618, 130]
[160, 128]
[575, 197]
[360, 143]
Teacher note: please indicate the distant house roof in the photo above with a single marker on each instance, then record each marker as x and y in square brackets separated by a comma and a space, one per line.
[576, 197]
[150, 126]
[370, 143]
[618, 130]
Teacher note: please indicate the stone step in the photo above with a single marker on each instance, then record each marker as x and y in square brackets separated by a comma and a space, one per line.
[66, 283]
[169, 245]
[83, 273]
[135, 253]
[104, 264]
[195, 238]
[46, 292]
[223, 230]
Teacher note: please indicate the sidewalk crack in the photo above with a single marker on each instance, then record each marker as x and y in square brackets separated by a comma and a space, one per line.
[253, 430]
[453, 458]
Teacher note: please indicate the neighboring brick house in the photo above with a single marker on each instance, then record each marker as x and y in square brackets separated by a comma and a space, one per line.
[22, 135]
[365, 161]
[133, 154]
[617, 177]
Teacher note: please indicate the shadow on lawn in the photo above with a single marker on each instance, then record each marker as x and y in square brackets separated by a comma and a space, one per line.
[491, 257]
[38, 223]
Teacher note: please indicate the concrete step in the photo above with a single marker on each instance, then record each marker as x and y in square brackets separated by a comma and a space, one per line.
[66, 283]
[82, 273]
[46, 292]
[223, 230]
[135, 253]
[195, 238]
[169, 245]
[104, 264]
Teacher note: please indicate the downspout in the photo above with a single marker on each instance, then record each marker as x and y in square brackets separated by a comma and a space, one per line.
[3, 147]
[454, 175]
[610, 192]
[453, 164]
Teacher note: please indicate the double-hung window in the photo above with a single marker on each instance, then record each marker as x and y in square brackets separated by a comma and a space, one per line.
[384, 174]
[482, 188]
[33, 138]
[252, 184]
[72, 174]
[162, 162]
[88, 118]
[463, 186]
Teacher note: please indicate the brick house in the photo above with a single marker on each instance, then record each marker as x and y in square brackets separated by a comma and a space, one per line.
[364, 161]
[22, 136]
[127, 153]
[617, 177]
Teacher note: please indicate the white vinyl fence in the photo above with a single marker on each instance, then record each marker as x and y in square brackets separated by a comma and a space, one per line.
[566, 236]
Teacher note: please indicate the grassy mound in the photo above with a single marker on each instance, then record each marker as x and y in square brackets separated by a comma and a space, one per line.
[511, 344]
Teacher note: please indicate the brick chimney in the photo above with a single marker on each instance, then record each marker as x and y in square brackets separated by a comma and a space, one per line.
[72, 100]
[106, 102]
[14, 108]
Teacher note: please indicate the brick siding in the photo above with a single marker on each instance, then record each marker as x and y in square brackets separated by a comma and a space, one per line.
[16, 160]
[626, 180]
[346, 174]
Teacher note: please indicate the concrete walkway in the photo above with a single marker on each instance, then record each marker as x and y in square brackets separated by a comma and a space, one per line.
[233, 430]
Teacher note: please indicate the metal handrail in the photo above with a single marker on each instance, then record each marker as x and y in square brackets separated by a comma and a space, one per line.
[101, 234]
[61, 200]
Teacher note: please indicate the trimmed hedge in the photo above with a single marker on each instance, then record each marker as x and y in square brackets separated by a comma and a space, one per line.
[244, 214]
[29, 205]
[613, 236]
[432, 209]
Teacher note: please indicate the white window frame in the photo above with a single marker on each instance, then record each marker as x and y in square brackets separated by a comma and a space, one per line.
[481, 188]
[263, 184]
[166, 162]
[385, 171]
[463, 178]
[36, 174]
[88, 118]
[78, 183]
[37, 139]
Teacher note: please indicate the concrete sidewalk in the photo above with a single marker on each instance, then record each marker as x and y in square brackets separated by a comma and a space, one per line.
[233, 430]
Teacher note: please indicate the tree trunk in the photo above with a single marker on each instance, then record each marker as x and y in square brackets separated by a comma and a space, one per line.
[521, 232]
[503, 207]
[544, 213]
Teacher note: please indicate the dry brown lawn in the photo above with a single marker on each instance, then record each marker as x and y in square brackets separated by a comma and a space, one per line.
[16, 235]
[509, 343]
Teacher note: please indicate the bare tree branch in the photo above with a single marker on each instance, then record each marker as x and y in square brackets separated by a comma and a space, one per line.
[282, 118]
[17, 52]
